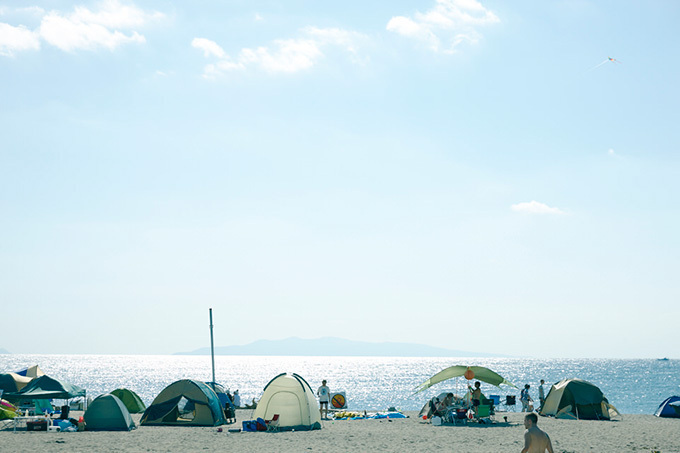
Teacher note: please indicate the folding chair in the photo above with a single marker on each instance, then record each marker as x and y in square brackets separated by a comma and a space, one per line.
[489, 402]
[273, 424]
[510, 401]
[483, 412]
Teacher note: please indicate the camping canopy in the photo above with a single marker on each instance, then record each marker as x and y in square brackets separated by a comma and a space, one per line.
[291, 398]
[479, 373]
[130, 399]
[577, 399]
[45, 387]
[185, 402]
[108, 413]
[31, 371]
[669, 408]
[13, 382]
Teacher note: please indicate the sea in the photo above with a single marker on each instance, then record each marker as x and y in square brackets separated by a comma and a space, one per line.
[370, 383]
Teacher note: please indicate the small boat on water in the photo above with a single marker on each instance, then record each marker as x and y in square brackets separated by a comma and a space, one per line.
[665, 359]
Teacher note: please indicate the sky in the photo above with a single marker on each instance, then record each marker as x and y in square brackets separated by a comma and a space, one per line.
[462, 174]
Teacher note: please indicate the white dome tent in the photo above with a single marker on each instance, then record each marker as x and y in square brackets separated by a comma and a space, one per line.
[291, 398]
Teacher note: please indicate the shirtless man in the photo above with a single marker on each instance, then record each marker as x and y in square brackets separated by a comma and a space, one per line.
[535, 440]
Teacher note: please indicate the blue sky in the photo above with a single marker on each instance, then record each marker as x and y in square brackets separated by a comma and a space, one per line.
[456, 173]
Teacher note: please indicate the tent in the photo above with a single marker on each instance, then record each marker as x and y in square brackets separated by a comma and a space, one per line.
[221, 394]
[291, 397]
[130, 399]
[108, 413]
[31, 371]
[577, 399]
[669, 408]
[45, 387]
[186, 403]
[13, 382]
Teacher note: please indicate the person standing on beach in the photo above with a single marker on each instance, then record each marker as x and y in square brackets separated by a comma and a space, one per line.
[525, 398]
[237, 399]
[476, 394]
[535, 440]
[541, 394]
[324, 394]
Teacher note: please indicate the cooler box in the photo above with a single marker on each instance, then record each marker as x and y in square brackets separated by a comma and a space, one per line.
[36, 425]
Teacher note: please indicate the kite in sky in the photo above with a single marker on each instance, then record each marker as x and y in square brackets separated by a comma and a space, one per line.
[609, 59]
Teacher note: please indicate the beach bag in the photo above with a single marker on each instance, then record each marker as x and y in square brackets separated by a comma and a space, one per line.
[261, 425]
[249, 425]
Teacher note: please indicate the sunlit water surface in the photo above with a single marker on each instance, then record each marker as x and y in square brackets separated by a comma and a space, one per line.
[371, 383]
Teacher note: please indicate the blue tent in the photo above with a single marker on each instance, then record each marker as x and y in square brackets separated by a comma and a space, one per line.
[669, 408]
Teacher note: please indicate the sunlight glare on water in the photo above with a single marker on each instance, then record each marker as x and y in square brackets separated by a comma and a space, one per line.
[371, 383]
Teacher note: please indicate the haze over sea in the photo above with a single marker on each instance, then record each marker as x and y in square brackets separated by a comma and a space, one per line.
[373, 383]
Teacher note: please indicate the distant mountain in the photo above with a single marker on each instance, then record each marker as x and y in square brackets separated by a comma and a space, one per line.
[4, 351]
[331, 346]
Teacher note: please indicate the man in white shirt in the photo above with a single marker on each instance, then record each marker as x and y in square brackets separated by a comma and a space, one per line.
[324, 394]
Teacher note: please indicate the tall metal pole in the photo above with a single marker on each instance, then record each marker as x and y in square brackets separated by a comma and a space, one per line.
[212, 347]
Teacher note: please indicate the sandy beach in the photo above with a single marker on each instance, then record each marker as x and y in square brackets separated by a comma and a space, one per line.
[642, 433]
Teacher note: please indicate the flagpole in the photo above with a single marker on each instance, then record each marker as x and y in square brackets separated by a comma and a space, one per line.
[212, 347]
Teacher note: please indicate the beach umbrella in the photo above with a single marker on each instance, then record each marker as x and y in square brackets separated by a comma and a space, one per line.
[479, 373]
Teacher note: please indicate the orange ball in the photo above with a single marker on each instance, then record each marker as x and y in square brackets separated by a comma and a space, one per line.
[469, 374]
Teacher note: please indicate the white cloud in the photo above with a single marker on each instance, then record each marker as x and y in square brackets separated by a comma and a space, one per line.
[111, 25]
[446, 25]
[17, 39]
[209, 48]
[534, 207]
[258, 17]
[282, 55]
[70, 34]
[287, 55]
[611, 152]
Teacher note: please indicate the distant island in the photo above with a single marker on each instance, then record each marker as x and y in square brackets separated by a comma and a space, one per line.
[331, 346]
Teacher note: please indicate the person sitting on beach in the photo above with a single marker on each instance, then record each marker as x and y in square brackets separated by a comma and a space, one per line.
[535, 440]
[441, 407]
[526, 399]
[476, 395]
[253, 405]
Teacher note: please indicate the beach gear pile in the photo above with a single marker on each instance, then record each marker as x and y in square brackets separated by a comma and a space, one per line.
[349, 415]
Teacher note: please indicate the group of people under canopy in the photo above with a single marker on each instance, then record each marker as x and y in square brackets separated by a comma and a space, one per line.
[446, 402]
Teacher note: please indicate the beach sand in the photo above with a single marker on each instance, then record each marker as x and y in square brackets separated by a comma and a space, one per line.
[633, 433]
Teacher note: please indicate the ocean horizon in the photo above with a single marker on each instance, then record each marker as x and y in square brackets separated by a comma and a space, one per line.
[634, 386]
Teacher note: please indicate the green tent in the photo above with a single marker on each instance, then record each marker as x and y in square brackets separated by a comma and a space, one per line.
[479, 373]
[45, 388]
[108, 413]
[131, 400]
[577, 399]
[185, 403]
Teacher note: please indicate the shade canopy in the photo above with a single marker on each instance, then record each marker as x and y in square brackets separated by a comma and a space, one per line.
[479, 373]
[44, 388]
